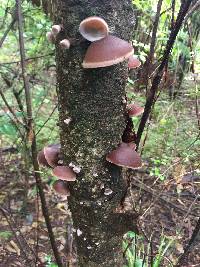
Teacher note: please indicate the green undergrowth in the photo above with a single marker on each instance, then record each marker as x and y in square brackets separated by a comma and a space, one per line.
[172, 132]
[139, 254]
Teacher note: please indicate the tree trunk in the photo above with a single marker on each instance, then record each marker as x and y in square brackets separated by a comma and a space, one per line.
[94, 100]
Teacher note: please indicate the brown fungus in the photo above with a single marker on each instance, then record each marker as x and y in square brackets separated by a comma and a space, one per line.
[134, 110]
[125, 156]
[108, 51]
[65, 44]
[50, 37]
[51, 154]
[64, 173]
[133, 62]
[61, 188]
[93, 28]
[42, 160]
[56, 29]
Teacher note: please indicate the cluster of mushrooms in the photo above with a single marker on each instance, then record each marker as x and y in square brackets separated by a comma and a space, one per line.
[50, 157]
[104, 50]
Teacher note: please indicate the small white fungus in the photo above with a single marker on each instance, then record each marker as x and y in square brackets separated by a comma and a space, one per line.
[79, 232]
[108, 192]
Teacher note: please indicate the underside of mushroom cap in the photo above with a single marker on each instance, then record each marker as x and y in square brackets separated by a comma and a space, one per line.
[61, 187]
[130, 144]
[134, 110]
[108, 51]
[65, 44]
[93, 28]
[42, 160]
[51, 154]
[125, 156]
[133, 62]
[64, 173]
[56, 29]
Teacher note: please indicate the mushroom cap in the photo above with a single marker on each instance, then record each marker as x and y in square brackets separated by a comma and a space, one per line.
[56, 29]
[125, 156]
[106, 52]
[61, 187]
[93, 28]
[133, 62]
[41, 159]
[134, 110]
[131, 145]
[50, 37]
[51, 154]
[64, 173]
[65, 44]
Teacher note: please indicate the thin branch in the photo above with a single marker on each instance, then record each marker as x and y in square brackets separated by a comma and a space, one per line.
[190, 244]
[15, 121]
[26, 59]
[194, 76]
[46, 120]
[32, 138]
[15, 235]
[9, 107]
[153, 40]
[158, 76]
[20, 234]
[165, 11]
[157, 196]
[9, 28]
[193, 9]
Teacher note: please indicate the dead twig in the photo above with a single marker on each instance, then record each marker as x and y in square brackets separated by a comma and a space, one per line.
[32, 138]
[159, 73]
[15, 235]
[195, 7]
[27, 59]
[16, 121]
[158, 196]
[195, 235]
[46, 120]
[9, 27]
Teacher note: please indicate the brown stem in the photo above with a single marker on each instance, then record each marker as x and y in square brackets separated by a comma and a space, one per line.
[15, 235]
[46, 120]
[190, 244]
[9, 28]
[158, 76]
[15, 121]
[129, 132]
[195, 7]
[194, 75]
[45, 210]
[153, 40]
[26, 59]
[32, 138]
[173, 13]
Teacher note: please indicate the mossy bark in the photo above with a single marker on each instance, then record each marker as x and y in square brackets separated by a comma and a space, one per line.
[93, 99]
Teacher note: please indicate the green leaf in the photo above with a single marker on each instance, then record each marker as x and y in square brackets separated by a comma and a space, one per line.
[5, 234]
[139, 263]
[8, 129]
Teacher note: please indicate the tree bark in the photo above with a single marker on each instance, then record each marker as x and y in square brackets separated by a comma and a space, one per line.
[93, 99]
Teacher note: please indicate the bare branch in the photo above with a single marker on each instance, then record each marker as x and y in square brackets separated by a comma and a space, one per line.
[16, 121]
[9, 27]
[195, 235]
[15, 235]
[193, 9]
[26, 59]
[32, 138]
[151, 98]
[46, 120]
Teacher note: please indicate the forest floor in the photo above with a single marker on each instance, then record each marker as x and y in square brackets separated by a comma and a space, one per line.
[168, 209]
